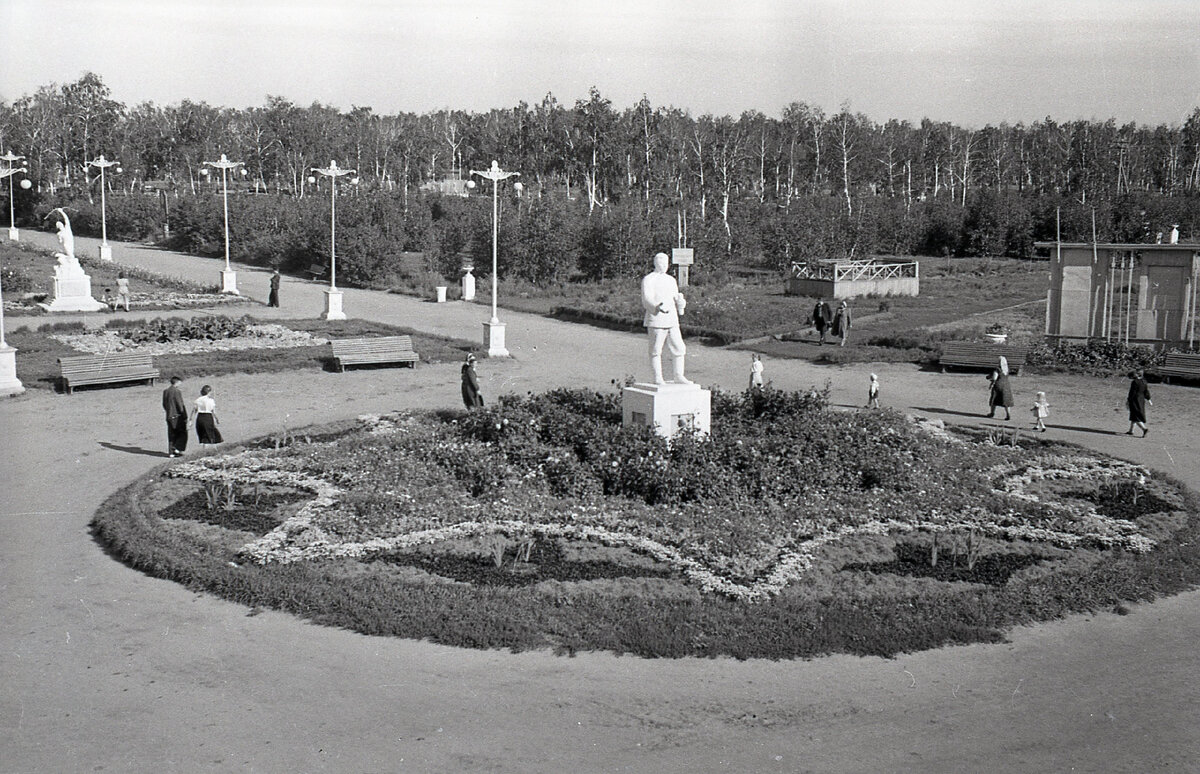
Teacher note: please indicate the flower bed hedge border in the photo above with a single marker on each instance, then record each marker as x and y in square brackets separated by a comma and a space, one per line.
[383, 602]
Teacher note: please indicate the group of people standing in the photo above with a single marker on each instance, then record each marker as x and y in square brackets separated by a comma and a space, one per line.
[838, 323]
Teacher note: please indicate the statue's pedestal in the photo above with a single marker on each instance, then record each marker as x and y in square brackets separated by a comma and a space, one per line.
[668, 408]
[73, 293]
[493, 339]
[9, 383]
[105, 252]
[333, 305]
[14, 235]
[229, 282]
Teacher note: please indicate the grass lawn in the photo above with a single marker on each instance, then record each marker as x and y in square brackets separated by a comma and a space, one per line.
[37, 356]
[959, 298]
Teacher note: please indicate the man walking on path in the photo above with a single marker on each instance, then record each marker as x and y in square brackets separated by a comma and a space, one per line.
[273, 299]
[176, 410]
[821, 316]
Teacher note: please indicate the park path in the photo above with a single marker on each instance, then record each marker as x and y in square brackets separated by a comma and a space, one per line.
[106, 669]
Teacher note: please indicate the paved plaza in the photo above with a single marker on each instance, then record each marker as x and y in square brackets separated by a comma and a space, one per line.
[106, 669]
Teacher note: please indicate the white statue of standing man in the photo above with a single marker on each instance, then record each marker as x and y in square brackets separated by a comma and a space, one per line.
[664, 305]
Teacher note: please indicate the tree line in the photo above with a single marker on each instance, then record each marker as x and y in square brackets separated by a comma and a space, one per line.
[752, 188]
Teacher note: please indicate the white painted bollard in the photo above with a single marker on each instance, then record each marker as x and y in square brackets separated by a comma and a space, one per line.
[441, 294]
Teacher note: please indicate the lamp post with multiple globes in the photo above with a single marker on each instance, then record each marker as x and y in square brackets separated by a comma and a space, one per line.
[228, 276]
[333, 296]
[9, 383]
[103, 164]
[493, 330]
[10, 172]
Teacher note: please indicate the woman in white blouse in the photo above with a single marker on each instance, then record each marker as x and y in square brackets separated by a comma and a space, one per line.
[204, 413]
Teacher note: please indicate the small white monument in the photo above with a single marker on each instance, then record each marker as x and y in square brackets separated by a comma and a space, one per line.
[72, 286]
[468, 285]
[672, 406]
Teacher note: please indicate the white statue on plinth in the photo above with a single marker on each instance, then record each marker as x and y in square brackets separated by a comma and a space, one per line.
[68, 264]
[664, 304]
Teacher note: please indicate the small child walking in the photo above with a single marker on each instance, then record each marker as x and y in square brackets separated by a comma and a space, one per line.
[756, 372]
[1041, 410]
[873, 392]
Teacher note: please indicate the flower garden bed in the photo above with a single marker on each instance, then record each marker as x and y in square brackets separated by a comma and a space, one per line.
[210, 346]
[793, 530]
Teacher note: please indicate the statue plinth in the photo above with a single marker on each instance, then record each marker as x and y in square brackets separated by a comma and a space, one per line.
[493, 339]
[333, 305]
[13, 234]
[668, 408]
[229, 282]
[72, 291]
[9, 383]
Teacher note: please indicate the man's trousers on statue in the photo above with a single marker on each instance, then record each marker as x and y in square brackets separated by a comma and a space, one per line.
[674, 341]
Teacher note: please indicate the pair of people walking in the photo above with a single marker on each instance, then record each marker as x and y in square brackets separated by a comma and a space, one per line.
[1000, 395]
[838, 323]
[203, 413]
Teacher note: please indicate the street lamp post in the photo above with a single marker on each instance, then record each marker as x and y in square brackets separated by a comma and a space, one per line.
[103, 164]
[10, 173]
[493, 330]
[333, 296]
[228, 276]
[9, 383]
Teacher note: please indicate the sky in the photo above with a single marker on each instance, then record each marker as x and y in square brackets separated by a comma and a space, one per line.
[973, 62]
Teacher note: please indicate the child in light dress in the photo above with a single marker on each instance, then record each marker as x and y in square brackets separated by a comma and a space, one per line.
[873, 392]
[1041, 410]
[756, 372]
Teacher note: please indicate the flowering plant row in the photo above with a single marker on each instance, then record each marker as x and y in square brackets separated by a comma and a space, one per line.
[743, 512]
[248, 336]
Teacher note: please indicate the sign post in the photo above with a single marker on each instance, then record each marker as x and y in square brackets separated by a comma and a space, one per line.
[683, 257]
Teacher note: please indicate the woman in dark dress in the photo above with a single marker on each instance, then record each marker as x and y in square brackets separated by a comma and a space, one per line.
[204, 412]
[1139, 398]
[1000, 394]
[470, 384]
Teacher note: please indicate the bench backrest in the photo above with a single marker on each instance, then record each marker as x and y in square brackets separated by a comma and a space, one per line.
[75, 364]
[968, 349]
[1182, 360]
[377, 344]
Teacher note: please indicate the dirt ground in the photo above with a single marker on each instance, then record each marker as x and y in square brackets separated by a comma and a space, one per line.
[105, 669]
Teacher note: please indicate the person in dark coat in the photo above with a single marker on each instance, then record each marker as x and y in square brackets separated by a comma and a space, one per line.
[177, 418]
[822, 316]
[273, 298]
[842, 322]
[470, 384]
[1139, 398]
[1000, 394]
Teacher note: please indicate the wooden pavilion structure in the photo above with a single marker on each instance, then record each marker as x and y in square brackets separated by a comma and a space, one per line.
[1132, 293]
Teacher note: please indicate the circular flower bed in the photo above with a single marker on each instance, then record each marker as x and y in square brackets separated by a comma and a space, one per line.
[792, 530]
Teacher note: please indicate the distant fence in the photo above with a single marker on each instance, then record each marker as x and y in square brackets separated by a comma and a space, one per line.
[845, 279]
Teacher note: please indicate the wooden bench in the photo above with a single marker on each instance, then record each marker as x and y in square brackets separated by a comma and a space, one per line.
[964, 354]
[1180, 365]
[106, 369]
[383, 349]
[316, 271]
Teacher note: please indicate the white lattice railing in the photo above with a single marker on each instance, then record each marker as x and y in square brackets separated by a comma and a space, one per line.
[848, 271]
